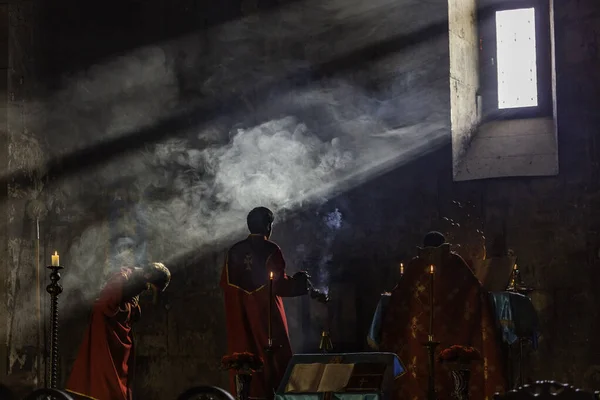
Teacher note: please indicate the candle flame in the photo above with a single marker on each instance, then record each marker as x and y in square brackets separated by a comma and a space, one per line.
[271, 275]
[515, 267]
[55, 252]
[401, 268]
[431, 269]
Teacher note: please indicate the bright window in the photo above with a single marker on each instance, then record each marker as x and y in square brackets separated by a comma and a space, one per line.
[516, 58]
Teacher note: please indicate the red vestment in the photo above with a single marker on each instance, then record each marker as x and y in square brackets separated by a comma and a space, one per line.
[245, 283]
[463, 316]
[102, 368]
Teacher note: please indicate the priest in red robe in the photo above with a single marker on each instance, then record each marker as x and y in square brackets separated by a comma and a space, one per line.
[463, 315]
[103, 369]
[244, 282]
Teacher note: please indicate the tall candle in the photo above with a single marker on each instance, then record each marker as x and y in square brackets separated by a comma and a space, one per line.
[55, 259]
[431, 275]
[401, 269]
[270, 306]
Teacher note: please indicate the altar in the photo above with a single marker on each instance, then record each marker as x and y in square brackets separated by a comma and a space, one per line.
[349, 376]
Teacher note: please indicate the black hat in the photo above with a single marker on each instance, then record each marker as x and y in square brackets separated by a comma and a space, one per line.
[433, 239]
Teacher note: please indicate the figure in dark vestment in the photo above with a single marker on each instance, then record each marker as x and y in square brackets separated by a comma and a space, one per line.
[463, 316]
[103, 368]
[245, 286]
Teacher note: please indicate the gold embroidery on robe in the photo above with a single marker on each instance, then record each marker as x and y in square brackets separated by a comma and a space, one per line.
[416, 327]
[418, 290]
[248, 262]
[413, 367]
[484, 333]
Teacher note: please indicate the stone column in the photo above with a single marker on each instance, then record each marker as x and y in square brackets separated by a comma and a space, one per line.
[24, 155]
[4, 314]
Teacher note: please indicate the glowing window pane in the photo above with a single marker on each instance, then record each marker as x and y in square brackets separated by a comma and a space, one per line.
[516, 58]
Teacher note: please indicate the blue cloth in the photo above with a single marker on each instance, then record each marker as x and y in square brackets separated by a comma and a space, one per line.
[374, 336]
[394, 370]
[517, 317]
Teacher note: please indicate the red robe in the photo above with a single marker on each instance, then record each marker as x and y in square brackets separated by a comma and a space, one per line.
[102, 367]
[463, 316]
[245, 286]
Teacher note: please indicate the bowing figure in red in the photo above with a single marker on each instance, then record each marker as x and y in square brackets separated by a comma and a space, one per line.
[103, 369]
[245, 285]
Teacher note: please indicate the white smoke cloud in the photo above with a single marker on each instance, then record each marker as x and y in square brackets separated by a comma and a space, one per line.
[289, 148]
[191, 198]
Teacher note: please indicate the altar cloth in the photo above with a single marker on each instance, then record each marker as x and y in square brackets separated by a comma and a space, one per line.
[344, 376]
[374, 336]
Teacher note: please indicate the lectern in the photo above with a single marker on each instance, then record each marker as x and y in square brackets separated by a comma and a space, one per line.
[344, 376]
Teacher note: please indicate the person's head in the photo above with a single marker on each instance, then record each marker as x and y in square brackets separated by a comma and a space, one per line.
[260, 221]
[433, 239]
[154, 276]
[157, 275]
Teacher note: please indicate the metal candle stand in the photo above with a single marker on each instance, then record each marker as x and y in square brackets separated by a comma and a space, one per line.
[54, 289]
[270, 349]
[518, 286]
[431, 345]
[325, 346]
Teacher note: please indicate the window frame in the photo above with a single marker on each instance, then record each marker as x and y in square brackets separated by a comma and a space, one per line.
[488, 67]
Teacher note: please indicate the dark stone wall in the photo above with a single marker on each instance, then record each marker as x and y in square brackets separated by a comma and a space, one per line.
[398, 54]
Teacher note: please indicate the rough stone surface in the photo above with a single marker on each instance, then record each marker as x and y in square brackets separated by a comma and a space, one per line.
[552, 223]
[464, 79]
[23, 333]
[495, 147]
[521, 147]
[4, 265]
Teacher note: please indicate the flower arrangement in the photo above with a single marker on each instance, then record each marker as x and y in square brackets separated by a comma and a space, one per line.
[242, 362]
[459, 354]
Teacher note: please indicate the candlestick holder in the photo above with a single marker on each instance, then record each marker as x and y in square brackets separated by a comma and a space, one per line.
[54, 289]
[270, 349]
[431, 345]
[325, 346]
[516, 283]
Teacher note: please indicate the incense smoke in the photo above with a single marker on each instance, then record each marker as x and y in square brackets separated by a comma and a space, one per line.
[293, 146]
[333, 223]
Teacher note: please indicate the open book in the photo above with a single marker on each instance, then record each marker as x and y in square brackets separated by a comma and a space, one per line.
[318, 378]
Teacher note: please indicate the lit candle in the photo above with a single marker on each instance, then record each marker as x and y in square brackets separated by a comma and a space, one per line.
[401, 269]
[55, 259]
[270, 307]
[431, 275]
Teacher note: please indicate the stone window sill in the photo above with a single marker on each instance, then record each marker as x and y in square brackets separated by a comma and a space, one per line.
[511, 148]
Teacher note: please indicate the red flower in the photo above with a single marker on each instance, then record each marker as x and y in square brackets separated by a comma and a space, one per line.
[459, 354]
[242, 362]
